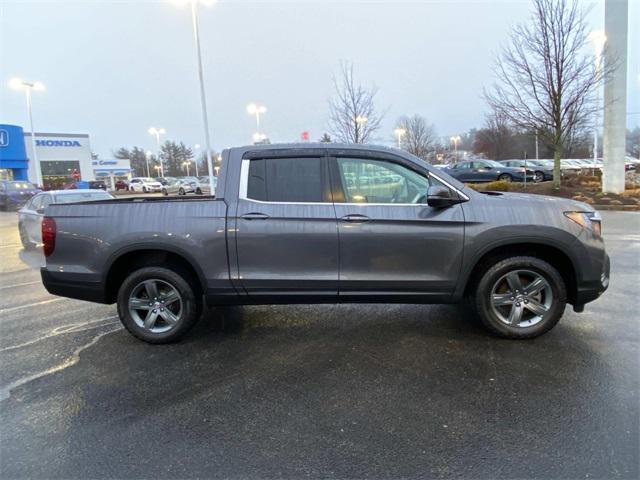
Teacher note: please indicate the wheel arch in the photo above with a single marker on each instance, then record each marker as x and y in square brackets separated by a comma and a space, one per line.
[553, 254]
[129, 259]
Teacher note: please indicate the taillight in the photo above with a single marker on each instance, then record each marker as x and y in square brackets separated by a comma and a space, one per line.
[48, 235]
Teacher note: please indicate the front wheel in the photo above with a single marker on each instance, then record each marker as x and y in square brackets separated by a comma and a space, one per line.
[505, 177]
[158, 305]
[164, 192]
[520, 297]
[538, 177]
[181, 191]
[198, 191]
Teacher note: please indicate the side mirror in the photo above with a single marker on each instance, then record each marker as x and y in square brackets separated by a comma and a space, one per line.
[40, 211]
[440, 197]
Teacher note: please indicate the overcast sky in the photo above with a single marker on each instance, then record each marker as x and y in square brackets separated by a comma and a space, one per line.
[114, 68]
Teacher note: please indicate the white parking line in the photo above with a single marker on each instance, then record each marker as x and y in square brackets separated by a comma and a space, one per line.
[20, 307]
[19, 285]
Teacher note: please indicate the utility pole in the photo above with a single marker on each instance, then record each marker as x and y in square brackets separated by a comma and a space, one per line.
[615, 95]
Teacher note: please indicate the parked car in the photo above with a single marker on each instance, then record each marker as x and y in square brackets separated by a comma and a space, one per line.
[204, 187]
[165, 180]
[97, 185]
[541, 172]
[15, 193]
[284, 227]
[30, 215]
[486, 171]
[180, 186]
[570, 167]
[144, 184]
[121, 185]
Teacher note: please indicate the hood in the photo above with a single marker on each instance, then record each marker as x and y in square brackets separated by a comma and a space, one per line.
[529, 199]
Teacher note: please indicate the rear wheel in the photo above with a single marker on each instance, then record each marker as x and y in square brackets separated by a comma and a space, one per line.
[158, 305]
[198, 191]
[505, 177]
[144, 189]
[520, 297]
[181, 191]
[164, 192]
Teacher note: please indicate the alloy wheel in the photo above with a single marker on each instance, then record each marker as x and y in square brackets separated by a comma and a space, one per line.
[155, 305]
[538, 177]
[521, 298]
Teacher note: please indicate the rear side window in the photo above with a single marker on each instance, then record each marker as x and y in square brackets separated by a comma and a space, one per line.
[286, 180]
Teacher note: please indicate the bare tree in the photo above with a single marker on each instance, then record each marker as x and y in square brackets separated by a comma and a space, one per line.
[419, 137]
[495, 137]
[545, 82]
[353, 116]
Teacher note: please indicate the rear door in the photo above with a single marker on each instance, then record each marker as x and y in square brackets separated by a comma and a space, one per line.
[286, 229]
[393, 246]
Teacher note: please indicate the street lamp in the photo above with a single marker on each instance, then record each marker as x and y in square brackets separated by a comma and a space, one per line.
[28, 86]
[148, 157]
[257, 110]
[456, 139]
[361, 120]
[598, 38]
[203, 97]
[186, 165]
[400, 133]
[196, 147]
[157, 132]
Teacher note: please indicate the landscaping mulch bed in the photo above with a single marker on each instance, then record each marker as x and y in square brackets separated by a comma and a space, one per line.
[583, 188]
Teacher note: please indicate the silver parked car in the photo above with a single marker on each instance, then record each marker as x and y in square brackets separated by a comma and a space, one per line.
[204, 188]
[180, 186]
[30, 216]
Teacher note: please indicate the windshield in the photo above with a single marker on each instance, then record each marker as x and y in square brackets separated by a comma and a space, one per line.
[147, 179]
[19, 185]
[82, 197]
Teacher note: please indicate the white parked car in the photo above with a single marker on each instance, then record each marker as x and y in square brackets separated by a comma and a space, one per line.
[30, 216]
[144, 185]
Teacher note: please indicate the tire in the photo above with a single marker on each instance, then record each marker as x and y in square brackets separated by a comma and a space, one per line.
[144, 189]
[24, 239]
[185, 310]
[131, 189]
[505, 177]
[198, 191]
[538, 177]
[181, 191]
[164, 192]
[549, 302]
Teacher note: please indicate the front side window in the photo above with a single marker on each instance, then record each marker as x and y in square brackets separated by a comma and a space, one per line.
[36, 203]
[286, 180]
[377, 181]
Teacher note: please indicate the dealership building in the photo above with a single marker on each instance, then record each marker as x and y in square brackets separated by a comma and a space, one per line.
[61, 157]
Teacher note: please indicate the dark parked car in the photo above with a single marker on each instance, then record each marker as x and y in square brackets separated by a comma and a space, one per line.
[97, 185]
[327, 223]
[15, 193]
[541, 171]
[121, 185]
[486, 171]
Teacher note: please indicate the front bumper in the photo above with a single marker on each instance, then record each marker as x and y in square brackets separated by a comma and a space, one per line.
[589, 292]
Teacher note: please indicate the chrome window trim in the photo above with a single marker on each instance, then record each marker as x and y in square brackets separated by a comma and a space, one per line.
[244, 184]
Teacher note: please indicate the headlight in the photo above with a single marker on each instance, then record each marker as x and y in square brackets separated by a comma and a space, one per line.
[589, 220]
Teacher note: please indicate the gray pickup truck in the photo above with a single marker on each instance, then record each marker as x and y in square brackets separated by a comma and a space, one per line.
[327, 223]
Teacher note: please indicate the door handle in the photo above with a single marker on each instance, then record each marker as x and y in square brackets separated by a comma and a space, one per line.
[255, 216]
[355, 218]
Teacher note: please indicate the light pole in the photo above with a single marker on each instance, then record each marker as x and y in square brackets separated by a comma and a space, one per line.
[455, 139]
[195, 156]
[257, 110]
[400, 133]
[148, 157]
[203, 97]
[361, 120]
[598, 38]
[186, 165]
[259, 137]
[157, 132]
[27, 86]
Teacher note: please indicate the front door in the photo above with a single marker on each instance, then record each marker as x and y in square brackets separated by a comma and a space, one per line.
[286, 232]
[393, 246]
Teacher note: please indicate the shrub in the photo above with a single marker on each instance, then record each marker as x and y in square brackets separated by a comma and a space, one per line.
[498, 186]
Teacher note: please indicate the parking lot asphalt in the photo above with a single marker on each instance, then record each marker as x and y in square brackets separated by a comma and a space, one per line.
[333, 391]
